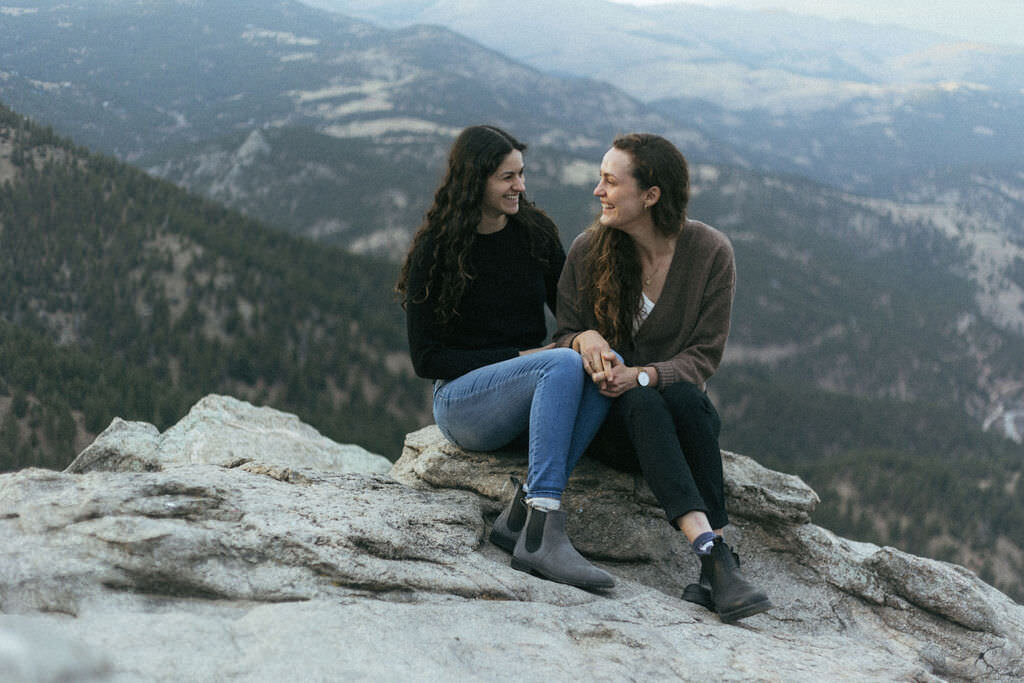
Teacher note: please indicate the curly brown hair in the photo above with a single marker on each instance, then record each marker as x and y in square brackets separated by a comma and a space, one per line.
[611, 267]
[451, 222]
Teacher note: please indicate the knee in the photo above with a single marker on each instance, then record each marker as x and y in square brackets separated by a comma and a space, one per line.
[690, 405]
[563, 364]
[685, 398]
[562, 360]
[564, 356]
[642, 401]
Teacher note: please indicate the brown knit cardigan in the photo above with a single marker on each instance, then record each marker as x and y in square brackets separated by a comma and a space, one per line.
[684, 336]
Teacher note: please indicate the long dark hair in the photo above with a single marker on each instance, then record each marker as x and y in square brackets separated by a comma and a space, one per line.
[452, 220]
[611, 268]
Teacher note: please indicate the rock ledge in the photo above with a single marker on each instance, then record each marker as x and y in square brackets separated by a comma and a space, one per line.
[241, 544]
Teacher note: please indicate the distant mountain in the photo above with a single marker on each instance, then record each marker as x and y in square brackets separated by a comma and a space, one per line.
[738, 59]
[870, 144]
[333, 100]
[365, 193]
[848, 104]
[183, 72]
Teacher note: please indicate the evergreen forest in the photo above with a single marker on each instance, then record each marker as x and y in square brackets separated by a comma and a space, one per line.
[123, 296]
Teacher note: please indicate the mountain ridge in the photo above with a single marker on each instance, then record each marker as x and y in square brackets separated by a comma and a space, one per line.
[549, 35]
[848, 104]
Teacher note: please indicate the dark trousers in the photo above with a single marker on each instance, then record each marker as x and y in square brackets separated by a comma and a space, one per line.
[672, 438]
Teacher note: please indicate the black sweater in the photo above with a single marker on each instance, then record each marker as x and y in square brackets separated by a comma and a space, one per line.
[502, 308]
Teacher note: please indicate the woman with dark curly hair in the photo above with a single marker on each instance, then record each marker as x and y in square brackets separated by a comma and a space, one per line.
[657, 288]
[474, 285]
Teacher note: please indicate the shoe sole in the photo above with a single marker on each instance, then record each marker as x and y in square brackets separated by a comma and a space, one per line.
[746, 611]
[524, 567]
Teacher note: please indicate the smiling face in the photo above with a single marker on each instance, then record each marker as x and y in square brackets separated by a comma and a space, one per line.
[504, 186]
[624, 204]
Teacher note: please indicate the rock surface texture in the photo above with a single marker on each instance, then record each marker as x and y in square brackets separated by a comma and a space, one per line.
[242, 545]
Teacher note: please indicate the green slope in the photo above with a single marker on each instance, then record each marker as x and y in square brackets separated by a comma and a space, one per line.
[114, 267]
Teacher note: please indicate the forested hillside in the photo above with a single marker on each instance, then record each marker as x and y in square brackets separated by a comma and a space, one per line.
[919, 476]
[853, 351]
[121, 295]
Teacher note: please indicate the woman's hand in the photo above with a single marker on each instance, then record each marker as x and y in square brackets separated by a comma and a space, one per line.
[593, 349]
[526, 352]
[617, 379]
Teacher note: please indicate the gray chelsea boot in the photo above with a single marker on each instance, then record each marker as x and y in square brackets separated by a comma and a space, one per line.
[544, 549]
[509, 523]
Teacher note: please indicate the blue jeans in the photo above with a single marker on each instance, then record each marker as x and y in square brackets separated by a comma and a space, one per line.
[545, 397]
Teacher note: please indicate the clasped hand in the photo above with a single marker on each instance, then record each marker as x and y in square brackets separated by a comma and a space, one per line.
[611, 375]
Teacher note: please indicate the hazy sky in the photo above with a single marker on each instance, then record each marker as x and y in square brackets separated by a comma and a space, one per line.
[992, 21]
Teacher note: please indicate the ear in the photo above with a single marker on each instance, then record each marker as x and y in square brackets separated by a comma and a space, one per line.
[651, 196]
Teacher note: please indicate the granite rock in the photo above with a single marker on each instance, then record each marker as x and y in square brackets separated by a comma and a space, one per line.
[226, 549]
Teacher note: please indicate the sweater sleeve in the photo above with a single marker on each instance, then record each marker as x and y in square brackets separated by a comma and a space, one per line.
[571, 320]
[556, 262]
[703, 348]
[433, 356]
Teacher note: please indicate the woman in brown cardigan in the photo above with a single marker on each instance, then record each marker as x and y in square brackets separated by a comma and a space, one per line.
[645, 298]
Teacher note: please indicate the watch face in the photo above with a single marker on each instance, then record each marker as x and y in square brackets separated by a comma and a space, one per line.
[643, 379]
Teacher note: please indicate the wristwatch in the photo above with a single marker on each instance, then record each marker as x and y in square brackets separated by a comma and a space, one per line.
[642, 378]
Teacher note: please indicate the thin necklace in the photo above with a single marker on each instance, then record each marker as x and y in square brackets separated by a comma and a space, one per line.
[671, 254]
[647, 280]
